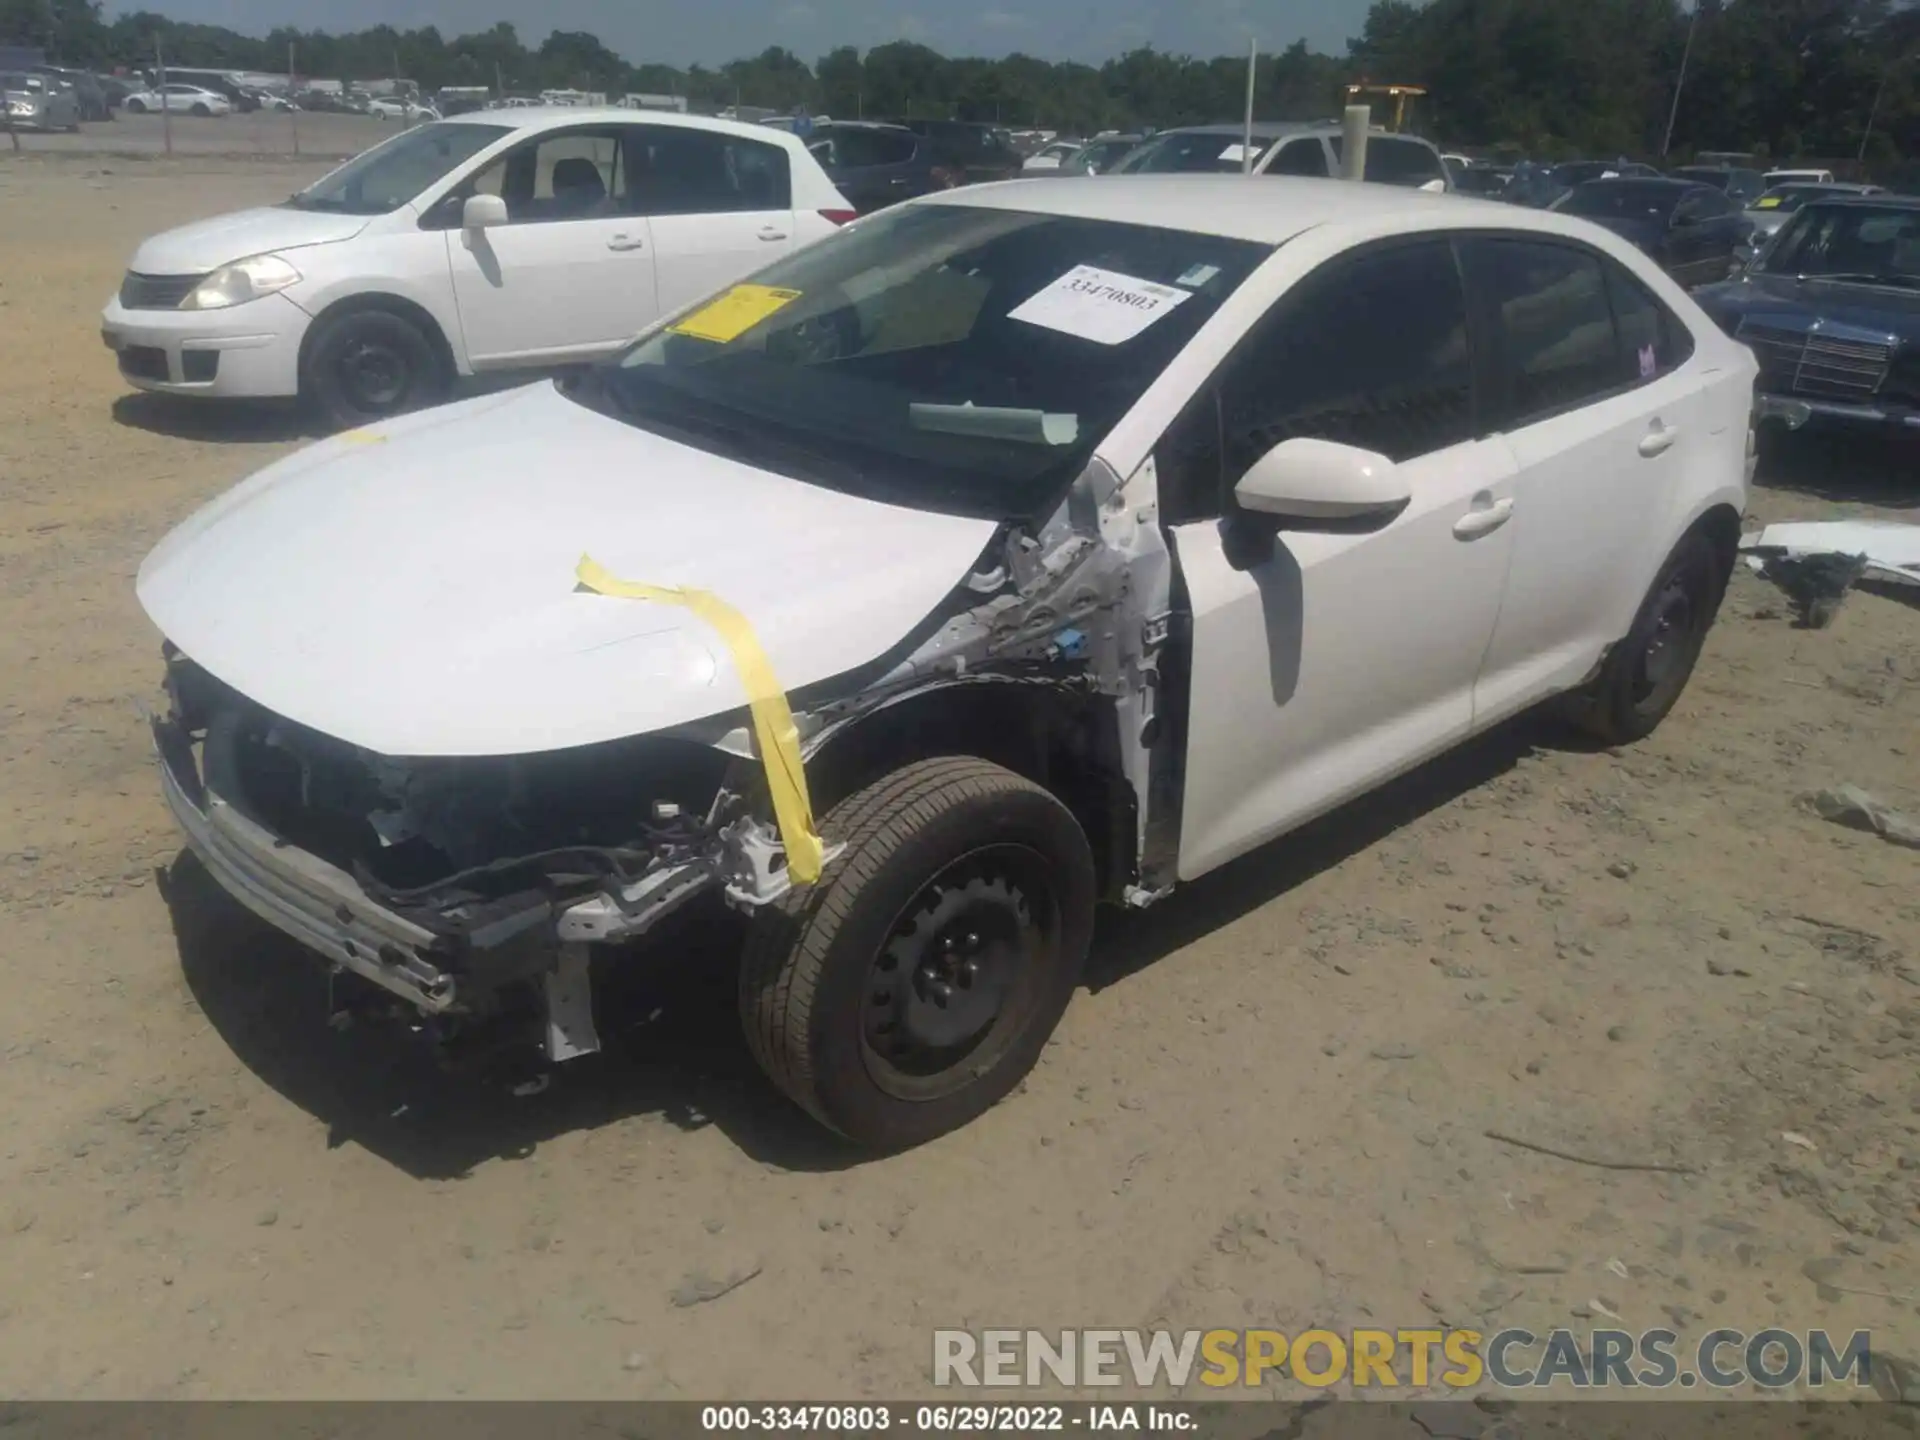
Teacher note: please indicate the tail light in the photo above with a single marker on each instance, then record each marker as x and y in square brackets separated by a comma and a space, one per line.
[840, 217]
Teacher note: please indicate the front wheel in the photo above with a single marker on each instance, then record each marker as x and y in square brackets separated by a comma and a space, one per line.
[1645, 673]
[136, 107]
[916, 984]
[368, 365]
[202, 111]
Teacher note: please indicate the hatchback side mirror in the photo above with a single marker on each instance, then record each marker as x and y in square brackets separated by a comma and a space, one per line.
[1319, 481]
[482, 212]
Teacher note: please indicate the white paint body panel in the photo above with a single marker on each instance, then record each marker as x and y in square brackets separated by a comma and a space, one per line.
[416, 596]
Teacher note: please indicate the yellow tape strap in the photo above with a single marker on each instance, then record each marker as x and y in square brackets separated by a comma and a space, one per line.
[774, 733]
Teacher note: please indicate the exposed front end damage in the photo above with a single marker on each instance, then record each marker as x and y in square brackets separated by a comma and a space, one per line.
[474, 893]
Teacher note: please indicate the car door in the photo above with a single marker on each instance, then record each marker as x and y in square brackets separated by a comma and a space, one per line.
[1593, 392]
[1721, 230]
[719, 207]
[572, 275]
[1328, 661]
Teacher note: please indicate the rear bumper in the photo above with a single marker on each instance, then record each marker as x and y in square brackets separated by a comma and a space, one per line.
[321, 906]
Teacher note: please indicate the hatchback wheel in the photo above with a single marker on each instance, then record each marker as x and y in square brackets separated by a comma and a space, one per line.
[368, 365]
[201, 110]
[1646, 672]
[917, 983]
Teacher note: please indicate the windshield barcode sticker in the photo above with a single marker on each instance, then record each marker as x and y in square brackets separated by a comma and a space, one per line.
[1103, 306]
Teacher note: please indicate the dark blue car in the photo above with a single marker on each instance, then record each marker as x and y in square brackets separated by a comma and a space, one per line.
[1832, 310]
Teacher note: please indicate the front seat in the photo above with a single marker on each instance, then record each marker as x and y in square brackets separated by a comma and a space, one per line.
[578, 188]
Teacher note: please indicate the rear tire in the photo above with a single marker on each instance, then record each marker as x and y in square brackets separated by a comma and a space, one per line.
[202, 111]
[1645, 674]
[916, 984]
[368, 365]
[136, 107]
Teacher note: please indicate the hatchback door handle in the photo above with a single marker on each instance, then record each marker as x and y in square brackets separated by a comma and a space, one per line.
[1658, 440]
[1475, 523]
[626, 242]
[772, 234]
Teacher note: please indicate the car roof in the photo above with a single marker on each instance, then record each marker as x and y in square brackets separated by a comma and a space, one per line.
[1265, 209]
[542, 117]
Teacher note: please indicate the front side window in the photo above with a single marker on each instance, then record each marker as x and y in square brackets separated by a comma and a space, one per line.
[566, 175]
[851, 149]
[1299, 157]
[1371, 350]
[946, 357]
[386, 177]
[679, 171]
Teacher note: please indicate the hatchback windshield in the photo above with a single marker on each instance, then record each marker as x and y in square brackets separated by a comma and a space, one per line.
[1623, 199]
[1186, 152]
[1862, 243]
[946, 357]
[392, 173]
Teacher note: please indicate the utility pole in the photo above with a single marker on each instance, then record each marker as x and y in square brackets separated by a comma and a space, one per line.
[293, 97]
[1872, 114]
[166, 110]
[1686, 53]
[1246, 130]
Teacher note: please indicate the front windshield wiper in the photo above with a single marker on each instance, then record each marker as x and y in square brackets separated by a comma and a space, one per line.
[1846, 277]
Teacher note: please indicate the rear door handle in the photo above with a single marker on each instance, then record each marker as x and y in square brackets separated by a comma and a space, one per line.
[769, 233]
[1475, 523]
[1658, 440]
[626, 242]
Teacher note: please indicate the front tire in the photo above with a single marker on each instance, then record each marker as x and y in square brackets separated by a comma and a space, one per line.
[136, 107]
[1644, 674]
[369, 365]
[202, 111]
[914, 986]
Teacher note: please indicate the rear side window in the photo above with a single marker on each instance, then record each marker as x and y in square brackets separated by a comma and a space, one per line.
[1653, 338]
[674, 171]
[855, 148]
[1556, 324]
[1392, 161]
[1573, 327]
[1371, 350]
[1299, 157]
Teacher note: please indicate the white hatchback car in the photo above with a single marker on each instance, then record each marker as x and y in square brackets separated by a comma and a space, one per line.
[523, 238]
[1054, 543]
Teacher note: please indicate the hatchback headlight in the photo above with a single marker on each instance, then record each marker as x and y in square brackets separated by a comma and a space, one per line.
[240, 282]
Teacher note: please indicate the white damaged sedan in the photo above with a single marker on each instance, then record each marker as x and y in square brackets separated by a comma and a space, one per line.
[1051, 544]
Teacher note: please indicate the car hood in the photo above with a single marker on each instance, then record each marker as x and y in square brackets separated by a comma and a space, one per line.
[410, 588]
[208, 244]
[1778, 297]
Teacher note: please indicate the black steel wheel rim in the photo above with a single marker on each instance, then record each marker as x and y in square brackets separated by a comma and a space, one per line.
[953, 982]
[375, 374]
[1672, 625]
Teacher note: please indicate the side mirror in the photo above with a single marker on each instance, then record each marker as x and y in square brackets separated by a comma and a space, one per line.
[1321, 481]
[482, 212]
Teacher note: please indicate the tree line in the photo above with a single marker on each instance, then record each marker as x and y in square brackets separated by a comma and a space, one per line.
[1827, 78]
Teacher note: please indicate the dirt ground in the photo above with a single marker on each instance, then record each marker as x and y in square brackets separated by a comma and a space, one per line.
[1267, 1107]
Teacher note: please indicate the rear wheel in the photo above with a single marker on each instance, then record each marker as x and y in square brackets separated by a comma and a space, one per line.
[913, 987]
[367, 365]
[201, 110]
[1646, 672]
[136, 107]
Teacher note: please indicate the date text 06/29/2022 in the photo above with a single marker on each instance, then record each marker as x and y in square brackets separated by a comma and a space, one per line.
[875, 1419]
[1617, 1360]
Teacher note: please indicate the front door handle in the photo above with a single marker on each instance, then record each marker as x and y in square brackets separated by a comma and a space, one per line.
[1658, 440]
[1484, 521]
[770, 233]
[626, 242]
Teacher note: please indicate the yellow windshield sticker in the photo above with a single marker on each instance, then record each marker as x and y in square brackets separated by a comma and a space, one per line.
[734, 313]
[774, 733]
[1767, 202]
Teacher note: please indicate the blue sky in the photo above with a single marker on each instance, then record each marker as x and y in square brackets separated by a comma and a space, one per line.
[717, 30]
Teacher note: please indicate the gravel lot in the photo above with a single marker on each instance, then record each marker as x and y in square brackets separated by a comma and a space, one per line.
[1268, 1107]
